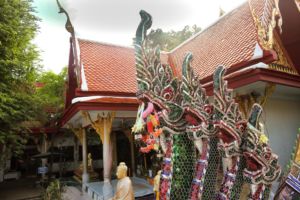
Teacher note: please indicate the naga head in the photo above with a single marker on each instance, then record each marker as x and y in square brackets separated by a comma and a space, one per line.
[227, 117]
[158, 89]
[262, 163]
[198, 111]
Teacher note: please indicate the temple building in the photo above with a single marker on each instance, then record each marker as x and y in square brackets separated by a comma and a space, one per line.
[258, 43]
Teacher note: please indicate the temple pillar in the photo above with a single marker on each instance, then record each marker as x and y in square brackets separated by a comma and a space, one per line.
[80, 134]
[43, 148]
[107, 152]
[76, 152]
[131, 141]
[85, 175]
[115, 155]
[103, 126]
[132, 157]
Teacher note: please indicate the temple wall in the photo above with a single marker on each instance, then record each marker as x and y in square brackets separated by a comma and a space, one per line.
[282, 119]
[63, 140]
[97, 164]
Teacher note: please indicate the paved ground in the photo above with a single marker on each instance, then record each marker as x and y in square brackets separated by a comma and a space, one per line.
[26, 189]
[72, 193]
[20, 190]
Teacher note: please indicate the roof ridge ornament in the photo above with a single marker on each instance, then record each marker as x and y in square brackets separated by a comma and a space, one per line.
[69, 27]
[267, 22]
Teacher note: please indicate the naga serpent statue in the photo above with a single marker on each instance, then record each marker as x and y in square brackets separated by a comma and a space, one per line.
[200, 139]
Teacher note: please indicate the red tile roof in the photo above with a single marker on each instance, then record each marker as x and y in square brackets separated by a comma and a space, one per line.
[108, 68]
[231, 40]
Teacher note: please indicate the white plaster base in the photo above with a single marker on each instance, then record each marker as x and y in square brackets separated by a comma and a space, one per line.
[107, 190]
[85, 178]
[96, 190]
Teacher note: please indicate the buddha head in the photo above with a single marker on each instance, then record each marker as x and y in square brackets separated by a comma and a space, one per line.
[121, 170]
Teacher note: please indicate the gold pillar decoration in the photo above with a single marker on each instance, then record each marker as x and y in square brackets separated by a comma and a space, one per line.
[103, 127]
[246, 101]
[269, 90]
[98, 125]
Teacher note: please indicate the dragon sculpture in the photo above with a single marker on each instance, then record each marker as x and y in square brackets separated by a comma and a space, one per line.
[262, 165]
[198, 137]
[198, 114]
[159, 93]
[231, 127]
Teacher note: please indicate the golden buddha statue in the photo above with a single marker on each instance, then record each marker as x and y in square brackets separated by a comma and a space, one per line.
[90, 169]
[124, 189]
[90, 163]
[156, 185]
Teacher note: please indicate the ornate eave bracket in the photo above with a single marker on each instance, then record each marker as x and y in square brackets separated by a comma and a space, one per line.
[77, 131]
[103, 120]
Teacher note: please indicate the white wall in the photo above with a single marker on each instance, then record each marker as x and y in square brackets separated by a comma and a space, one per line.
[282, 119]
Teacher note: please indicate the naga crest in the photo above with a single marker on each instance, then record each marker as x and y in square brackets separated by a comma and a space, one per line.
[158, 89]
[198, 110]
[262, 164]
[227, 117]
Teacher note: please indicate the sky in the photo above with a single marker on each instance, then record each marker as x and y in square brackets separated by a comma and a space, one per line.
[115, 21]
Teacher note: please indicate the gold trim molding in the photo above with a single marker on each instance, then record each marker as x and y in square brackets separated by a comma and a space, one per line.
[283, 63]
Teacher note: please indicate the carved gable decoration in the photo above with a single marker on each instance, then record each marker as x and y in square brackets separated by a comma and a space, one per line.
[283, 64]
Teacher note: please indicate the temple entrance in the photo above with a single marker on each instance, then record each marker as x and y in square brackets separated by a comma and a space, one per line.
[123, 150]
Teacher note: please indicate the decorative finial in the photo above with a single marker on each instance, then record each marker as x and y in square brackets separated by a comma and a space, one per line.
[68, 25]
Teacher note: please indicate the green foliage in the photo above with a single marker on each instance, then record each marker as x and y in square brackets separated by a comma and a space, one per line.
[50, 96]
[169, 40]
[51, 93]
[18, 70]
[54, 191]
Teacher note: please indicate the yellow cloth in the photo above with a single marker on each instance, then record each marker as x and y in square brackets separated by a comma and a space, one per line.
[124, 190]
[156, 185]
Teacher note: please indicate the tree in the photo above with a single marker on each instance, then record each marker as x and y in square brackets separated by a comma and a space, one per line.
[169, 40]
[19, 66]
[51, 93]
